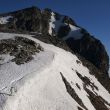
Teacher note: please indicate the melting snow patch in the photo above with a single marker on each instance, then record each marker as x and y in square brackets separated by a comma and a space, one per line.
[5, 20]
[75, 33]
[5, 58]
[55, 24]
[51, 24]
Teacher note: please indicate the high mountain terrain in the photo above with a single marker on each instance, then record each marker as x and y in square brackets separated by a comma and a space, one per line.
[48, 62]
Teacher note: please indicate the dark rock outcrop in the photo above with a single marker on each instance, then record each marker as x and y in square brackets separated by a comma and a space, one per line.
[97, 101]
[22, 49]
[92, 49]
[102, 78]
[24, 20]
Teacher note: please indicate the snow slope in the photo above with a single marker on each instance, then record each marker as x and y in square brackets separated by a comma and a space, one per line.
[5, 20]
[56, 24]
[42, 83]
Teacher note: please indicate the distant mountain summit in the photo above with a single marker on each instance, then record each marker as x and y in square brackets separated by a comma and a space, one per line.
[48, 62]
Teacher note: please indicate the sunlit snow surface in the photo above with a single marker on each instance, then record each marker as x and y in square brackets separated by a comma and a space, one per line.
[4, 20]
[38, 85]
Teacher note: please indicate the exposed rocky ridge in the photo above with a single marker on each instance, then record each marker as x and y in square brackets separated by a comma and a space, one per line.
[36, 20]
[20, 49]
[102, 78]
[94, 98]
[53, 40]
[92, 49]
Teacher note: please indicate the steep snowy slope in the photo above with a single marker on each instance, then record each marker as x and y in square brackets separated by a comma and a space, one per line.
[79, 40]
[53, 79]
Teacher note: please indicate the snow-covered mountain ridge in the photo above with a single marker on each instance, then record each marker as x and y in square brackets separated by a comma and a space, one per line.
[54, 65]
[54, 79]
[53, 24]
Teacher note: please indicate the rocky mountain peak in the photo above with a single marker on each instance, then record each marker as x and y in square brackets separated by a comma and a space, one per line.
[60, 26]
[37, 75]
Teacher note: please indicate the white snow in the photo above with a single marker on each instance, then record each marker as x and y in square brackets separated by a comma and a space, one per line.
[74, 33]
[5, 58]
[38, 84]
[51, 23]
[5, 20]
[55, 24]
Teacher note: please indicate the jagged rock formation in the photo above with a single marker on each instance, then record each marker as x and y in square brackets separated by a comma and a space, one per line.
[53, 24]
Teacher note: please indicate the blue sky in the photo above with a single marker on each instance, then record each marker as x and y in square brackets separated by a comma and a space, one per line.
[94, 15]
